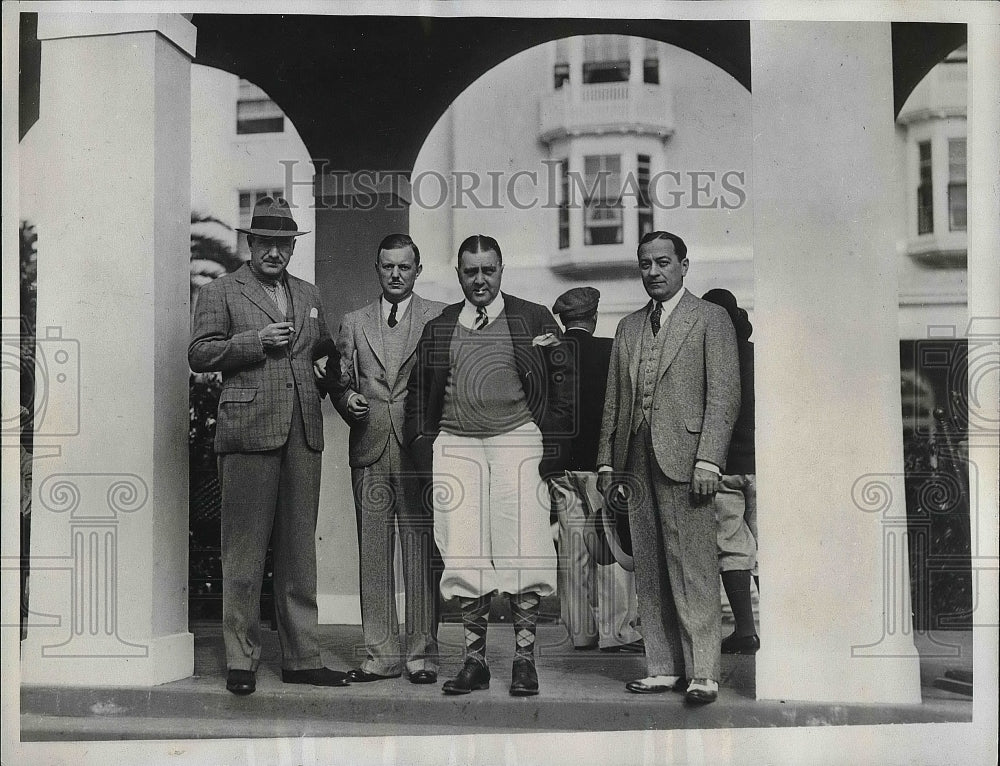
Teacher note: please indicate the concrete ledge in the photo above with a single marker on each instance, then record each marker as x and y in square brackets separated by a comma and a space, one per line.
[580, 691]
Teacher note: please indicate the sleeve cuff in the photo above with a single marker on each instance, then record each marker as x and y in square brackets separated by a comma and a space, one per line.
[708, 467]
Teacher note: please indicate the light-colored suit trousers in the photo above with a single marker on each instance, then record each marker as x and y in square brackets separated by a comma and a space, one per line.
[676, 568]
[387, 499]
[597, 603]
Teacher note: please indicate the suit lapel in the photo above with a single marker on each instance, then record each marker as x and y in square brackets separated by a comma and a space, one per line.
[299, 301]
[372, 328]
[681, 321]
[417, 322]
[633, 337]
[255, 294]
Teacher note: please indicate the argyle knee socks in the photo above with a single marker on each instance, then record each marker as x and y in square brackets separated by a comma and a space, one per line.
[524, 613]
[475, 618]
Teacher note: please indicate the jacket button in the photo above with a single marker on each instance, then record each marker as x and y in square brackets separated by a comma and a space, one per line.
[288, 385]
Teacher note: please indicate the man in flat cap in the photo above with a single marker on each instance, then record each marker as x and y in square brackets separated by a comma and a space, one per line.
[596, 596]
[266, 332]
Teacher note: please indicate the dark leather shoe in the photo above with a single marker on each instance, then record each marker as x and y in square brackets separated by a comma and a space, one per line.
[315, 677]
[241, 682]
[636, 647]
[647, 686]
[741, 644]
[523, 678]
[423, 677]
[473, 676]
[357, 675]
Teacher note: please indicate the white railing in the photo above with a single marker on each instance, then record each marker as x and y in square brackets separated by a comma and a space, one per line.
[606, 106]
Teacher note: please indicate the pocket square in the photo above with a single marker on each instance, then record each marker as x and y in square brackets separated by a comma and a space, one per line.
[313, 313]
[548, 339]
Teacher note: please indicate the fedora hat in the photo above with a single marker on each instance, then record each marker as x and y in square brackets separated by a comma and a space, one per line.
[272, 218]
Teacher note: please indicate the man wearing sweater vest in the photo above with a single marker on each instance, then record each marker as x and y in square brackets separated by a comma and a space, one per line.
[481, 404]
[376, 345]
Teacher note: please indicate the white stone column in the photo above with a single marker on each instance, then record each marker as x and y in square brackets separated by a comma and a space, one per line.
[984, 352]
[109, 539]
[835, 622]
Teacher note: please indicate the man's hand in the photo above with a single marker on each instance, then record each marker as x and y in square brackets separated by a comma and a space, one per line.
[319, 367]
[704, 484]
[604, 480]
[357, 405]
[276, 335]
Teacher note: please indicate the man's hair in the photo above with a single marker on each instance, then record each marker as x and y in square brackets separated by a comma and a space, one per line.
[397, 241]
[679, 247]
[479, 243]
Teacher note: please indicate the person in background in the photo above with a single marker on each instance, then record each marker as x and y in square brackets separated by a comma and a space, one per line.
[736, 501]
[597, 600]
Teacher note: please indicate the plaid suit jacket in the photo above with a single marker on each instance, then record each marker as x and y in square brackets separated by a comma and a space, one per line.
[255, 407]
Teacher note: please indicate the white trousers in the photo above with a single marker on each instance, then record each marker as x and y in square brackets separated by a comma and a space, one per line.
[491, 516]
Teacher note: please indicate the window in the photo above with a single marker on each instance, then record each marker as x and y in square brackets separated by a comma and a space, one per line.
[645, 207]
[651, 64]
[925, 190]
[256, 113]
[602, 221]
[561, 71]
[563, 204]
[248, 198]
[956, 184]
[605, 59]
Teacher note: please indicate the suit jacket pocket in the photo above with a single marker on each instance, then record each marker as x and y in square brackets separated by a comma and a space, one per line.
[237, 395]
[693, 425]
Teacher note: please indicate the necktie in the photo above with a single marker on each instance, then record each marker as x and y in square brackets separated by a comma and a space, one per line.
[481, 318]
[277, 294]
[654, 317]
[392, 316]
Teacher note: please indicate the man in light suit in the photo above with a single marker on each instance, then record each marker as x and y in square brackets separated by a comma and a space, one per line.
[376, 345]
[672, 399]
[266, 332]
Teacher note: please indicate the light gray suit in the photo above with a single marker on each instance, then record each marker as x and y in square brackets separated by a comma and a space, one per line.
[387, 491]
[689, 417]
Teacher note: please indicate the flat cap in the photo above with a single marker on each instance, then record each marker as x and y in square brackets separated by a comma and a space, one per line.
[577, 303]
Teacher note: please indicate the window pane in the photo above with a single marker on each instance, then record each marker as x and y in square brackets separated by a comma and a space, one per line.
[956, 207]
[956, 160]
[925, 190]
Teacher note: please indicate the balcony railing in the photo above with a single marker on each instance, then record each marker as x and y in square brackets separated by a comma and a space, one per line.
[617, 107]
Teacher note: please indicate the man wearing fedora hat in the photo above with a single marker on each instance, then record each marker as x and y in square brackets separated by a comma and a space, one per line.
[265, 331]
[597, 597]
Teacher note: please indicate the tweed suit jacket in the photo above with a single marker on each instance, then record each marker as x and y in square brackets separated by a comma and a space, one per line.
[255, 407]
[697, 394]
[545, 373]
[362, 357]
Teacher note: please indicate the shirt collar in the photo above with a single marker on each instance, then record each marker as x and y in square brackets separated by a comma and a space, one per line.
[670, 304]
[467, 317]
[403, 305]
